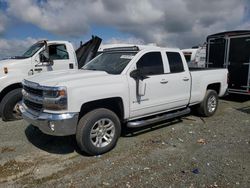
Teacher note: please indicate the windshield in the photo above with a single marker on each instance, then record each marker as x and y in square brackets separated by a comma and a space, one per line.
[110, 62]
[32, 50]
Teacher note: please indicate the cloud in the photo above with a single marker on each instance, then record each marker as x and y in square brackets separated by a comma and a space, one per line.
[180, 23]
[3, 23]
[15, 47]
[59, 17]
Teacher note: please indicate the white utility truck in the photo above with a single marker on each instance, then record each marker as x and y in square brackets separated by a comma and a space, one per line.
[41, 57]
[126, 86]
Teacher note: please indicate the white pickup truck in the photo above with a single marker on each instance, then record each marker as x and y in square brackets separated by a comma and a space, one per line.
[40, 57]
[125, 86]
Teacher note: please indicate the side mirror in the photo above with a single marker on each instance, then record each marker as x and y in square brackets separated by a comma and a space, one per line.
[141, 88]
[44, 55]
[44, 59]
[135, 74]
[138, 75]
[46, 49]
[140, 84]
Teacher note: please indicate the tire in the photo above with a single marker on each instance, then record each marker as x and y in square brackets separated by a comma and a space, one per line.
[104, 138]
[209, 105]
[8, 104]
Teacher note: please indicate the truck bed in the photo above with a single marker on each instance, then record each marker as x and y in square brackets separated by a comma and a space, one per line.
[202, 77]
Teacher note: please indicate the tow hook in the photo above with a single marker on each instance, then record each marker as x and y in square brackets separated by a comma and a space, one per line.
[19, 108]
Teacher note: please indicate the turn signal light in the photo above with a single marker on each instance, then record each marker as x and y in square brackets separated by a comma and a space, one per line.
[62, 93]
[5, 70]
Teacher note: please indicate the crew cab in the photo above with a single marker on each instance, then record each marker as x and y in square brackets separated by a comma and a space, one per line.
[43, 56]
[126, 86]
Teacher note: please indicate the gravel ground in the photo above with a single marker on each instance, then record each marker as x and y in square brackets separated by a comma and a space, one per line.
[187, 152]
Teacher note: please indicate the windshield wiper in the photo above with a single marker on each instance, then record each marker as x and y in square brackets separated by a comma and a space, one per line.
[91, 69]
[18, 57]
[97, 70]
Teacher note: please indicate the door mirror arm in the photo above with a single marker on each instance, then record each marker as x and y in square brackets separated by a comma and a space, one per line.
[44, 61]
[44, 57]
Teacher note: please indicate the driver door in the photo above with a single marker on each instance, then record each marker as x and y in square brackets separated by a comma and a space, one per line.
[58, 56]
[38, 65]
[154, 99]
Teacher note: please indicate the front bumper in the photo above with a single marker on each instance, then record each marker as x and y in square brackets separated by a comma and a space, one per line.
[52, 124]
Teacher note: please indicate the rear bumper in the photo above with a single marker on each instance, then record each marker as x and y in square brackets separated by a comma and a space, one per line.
[53, 124]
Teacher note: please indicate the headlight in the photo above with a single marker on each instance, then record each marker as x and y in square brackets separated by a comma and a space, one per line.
[55, 98]
[55, 92]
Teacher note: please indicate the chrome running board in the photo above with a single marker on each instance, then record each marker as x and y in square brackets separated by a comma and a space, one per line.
[170, 115]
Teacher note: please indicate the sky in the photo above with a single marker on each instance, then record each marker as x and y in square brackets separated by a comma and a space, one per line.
[168, 23]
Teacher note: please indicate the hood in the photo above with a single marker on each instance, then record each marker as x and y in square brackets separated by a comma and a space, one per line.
[65, 77]
[11, 62]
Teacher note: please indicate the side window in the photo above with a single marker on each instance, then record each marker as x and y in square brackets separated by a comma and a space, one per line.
[175, 62]
[151, 63]
[58, 51]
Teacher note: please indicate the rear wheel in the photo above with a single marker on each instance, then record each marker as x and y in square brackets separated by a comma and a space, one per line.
[9, 107]
[98, 131]
[209, 105]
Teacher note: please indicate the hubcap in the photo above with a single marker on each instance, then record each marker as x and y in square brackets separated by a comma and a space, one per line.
[102, 133]
[211, 104]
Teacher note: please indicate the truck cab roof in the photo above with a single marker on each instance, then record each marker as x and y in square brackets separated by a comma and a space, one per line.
[56, 41]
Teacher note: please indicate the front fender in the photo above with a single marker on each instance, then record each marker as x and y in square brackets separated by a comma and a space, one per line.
[78, 96]
[9, 79]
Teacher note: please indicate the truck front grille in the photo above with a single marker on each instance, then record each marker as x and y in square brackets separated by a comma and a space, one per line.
[32, 105]
[28, 98]
[33, 91]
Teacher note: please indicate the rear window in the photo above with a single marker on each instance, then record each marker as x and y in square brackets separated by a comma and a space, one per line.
[175, 62]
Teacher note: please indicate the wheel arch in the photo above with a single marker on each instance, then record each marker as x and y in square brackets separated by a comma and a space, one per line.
[8, 89]
[114, 104]
[215, 86]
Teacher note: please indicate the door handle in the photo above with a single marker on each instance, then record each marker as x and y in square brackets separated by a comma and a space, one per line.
[38, 69]
[163, 81]
[185, 79]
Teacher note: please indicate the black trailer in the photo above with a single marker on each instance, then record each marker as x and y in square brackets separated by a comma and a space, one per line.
[231, 50]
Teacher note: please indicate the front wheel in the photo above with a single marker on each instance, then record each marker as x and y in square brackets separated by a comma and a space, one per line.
[98, 131]
[9, 107]
[209, 105]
